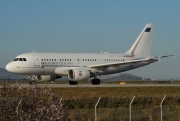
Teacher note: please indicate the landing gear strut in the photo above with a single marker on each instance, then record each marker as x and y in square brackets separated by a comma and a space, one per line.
[32, 82]
[73, 82]
[95, 81]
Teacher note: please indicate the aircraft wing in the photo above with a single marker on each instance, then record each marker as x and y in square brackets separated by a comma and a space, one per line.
[148, 60]
[123, 63]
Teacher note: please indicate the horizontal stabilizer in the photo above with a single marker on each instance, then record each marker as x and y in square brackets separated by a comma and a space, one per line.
[165, 56]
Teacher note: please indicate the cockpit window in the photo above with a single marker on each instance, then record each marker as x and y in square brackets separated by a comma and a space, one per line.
[16, 59]
[20, 59]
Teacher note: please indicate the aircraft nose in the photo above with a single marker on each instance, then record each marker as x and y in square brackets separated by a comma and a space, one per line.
[9, 67]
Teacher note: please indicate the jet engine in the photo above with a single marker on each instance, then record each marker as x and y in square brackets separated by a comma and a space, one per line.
[78, 74]
[47, 77]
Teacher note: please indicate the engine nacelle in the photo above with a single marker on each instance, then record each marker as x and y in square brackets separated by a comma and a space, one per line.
[47, 77]
[78, 74]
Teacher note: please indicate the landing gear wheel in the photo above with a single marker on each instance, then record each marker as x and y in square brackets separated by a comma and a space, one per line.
[73, 82]
[95, 81]
[32, 82]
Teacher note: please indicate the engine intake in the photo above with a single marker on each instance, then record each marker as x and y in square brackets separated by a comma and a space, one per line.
[78, 74]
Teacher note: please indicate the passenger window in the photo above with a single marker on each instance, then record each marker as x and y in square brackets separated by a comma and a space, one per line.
[24, 59]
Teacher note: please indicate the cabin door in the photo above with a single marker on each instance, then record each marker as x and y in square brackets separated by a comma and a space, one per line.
[36, 60]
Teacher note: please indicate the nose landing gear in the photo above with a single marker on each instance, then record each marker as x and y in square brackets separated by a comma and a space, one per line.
[32, 82]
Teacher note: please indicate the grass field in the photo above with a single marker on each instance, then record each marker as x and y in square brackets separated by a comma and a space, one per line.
[80, 92]
[114, 104]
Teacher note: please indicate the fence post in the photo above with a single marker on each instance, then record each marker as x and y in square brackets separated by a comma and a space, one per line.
[130, 108]
[95, 108]
[18, 107]
[60, 101]
[161, 105]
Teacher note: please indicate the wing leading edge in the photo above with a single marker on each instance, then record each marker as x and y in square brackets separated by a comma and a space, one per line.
[107, 65]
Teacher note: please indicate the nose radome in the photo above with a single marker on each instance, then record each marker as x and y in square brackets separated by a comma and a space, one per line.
[9, 67]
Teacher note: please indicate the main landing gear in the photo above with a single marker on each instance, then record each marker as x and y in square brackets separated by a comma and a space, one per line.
[73, 82]
[95, 81]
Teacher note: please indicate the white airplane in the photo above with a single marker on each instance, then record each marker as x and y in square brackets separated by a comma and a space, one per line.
[82, 66]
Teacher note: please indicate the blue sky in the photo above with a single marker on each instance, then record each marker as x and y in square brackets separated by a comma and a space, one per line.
[91, 26]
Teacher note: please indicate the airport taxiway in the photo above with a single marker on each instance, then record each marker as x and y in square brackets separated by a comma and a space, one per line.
[101, 85]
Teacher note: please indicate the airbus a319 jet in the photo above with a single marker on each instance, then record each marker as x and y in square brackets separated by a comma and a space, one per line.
[82, 66]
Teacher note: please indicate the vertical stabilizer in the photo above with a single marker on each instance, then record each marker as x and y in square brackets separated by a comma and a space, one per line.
[142, 45]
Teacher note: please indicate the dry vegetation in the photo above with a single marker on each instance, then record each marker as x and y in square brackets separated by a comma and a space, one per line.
[35, 103]
[30, 104]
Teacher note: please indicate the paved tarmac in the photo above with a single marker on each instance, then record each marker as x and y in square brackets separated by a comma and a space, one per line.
[101, 85]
